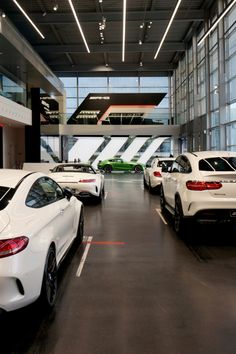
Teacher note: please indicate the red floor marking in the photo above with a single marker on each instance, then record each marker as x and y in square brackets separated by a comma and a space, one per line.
[105, 242]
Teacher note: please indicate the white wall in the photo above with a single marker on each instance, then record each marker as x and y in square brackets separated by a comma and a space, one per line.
[11, 111]
[13, 147]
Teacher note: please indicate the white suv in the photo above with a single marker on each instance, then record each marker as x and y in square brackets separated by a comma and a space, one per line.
[152, 175]
[201, 186]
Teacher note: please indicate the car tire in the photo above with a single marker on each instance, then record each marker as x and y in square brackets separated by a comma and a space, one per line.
[150, 188]
[101, 195]
[80, 229]
[49, 284]
[144, 182]
[179, 222]
[138, 169]
[107, 169]
[162, 199]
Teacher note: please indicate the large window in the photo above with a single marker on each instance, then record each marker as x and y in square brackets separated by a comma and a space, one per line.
[77, 89]
[12, 90]
[230, 56]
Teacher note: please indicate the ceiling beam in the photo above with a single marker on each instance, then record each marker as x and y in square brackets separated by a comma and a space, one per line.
[147, 67]
[108, 48]
[67, 18]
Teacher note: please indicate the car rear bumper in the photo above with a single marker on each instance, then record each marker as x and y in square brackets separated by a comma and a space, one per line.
[82, 190]
[155, 182]
[15, 294]
[223, 211]
[212, 216]
[20, 279]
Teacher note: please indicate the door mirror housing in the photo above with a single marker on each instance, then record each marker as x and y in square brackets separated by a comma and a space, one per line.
[68, 193]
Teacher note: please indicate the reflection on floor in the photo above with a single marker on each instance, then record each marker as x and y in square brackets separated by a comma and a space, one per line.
[142, 290]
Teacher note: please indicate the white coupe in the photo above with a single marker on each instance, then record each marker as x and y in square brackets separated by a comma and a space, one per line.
[201, 186]
[152, 175]
[81, 178]
[38, 223]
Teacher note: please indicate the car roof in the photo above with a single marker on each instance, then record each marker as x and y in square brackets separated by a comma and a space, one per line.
[207, 154]
[74, 164]
[11, 177]
[165, 158]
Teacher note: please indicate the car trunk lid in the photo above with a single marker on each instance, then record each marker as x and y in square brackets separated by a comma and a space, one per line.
[227, 180]
[70, 177]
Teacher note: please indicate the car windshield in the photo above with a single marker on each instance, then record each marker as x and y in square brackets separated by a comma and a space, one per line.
[74, 168]
[218, 164]
[6, 195]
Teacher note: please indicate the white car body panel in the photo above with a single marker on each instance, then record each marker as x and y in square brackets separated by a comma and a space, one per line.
[194, 201]
[55, 223]
[151, 180]
[73, 180]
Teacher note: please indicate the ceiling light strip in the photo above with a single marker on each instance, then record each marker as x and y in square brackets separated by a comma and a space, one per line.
[124, 30]
[78, 24]
[28, 18]
[168, 27]
[216, 22]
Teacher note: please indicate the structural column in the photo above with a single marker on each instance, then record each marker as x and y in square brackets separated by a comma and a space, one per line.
[32, 133]
[1, 147]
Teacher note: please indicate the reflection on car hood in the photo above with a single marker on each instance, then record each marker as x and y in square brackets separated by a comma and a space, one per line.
[4, 220]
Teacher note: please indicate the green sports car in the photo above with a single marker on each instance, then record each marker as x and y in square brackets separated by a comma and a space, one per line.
[117, 164]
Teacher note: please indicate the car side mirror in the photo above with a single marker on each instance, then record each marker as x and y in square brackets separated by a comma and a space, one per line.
[68, 193]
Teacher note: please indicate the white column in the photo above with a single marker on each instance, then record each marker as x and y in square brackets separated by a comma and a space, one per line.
[151, 149]
[84, 148]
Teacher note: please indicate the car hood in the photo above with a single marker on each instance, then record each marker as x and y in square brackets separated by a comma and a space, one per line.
[4, 220]
[64, 177]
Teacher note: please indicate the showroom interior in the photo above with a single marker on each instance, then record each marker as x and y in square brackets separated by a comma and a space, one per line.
[89, 80]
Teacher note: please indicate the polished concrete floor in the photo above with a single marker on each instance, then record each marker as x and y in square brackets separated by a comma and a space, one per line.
[142, 290]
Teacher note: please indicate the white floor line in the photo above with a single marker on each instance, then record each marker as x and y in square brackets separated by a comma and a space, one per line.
[161, 216]
[105, 196]
[83, 259]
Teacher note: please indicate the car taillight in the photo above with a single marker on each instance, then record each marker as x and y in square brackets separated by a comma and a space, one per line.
[203, 185]
[11, 246]
[87, 180]
[156, 174]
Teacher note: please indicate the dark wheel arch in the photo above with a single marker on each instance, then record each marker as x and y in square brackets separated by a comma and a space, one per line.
[49, 283]
[138, 169]
[107, 168]
[179, 222]
[162, 199]
[80, 229]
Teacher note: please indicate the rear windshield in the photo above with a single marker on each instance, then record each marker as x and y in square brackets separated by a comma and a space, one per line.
[74, 168]
[218, 164]
[6, 195]
[165, 163]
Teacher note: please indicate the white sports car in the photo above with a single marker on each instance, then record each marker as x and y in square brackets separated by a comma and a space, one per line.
[38, 223]
[81, 178]
[152, 175]
[201, 186]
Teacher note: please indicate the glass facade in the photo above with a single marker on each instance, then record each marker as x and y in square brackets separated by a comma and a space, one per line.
[78, 88]
[12, 90]
[208, 71]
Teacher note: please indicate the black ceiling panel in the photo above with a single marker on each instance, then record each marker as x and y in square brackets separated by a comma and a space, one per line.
[63, 48]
